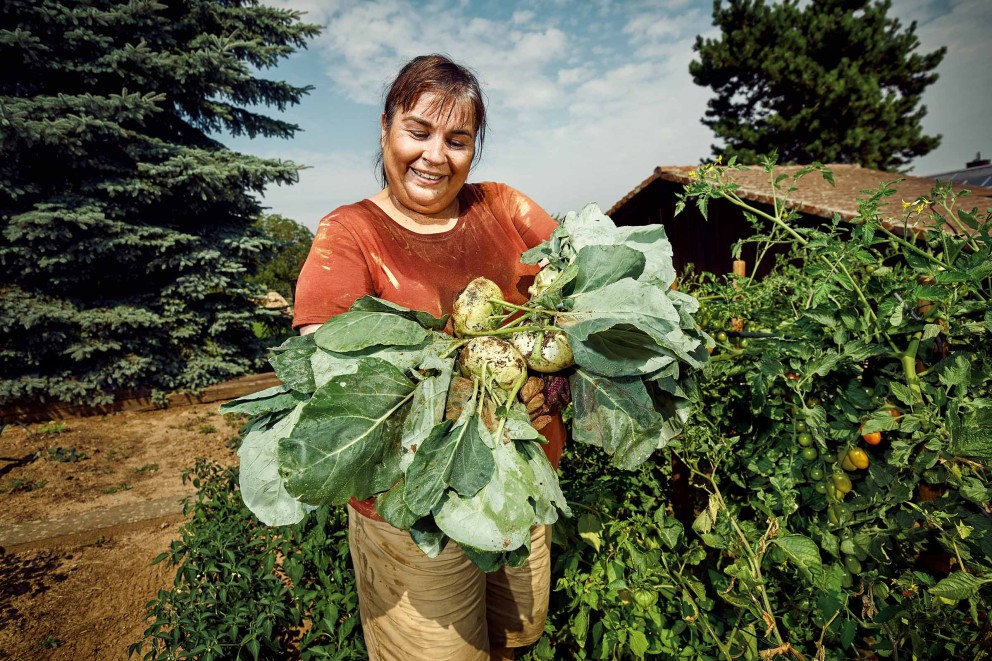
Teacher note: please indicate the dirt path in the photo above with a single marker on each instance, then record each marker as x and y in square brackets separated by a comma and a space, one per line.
[88, 503]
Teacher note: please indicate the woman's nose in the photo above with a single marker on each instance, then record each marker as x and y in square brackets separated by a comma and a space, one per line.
[434, 150]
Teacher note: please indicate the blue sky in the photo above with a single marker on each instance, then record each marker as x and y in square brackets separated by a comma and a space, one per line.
[585, 98]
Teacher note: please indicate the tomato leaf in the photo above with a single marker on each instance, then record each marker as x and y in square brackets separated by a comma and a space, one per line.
[801, 551]
[958, 585]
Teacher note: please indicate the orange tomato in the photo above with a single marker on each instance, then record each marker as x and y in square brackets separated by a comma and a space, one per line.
[871, 438]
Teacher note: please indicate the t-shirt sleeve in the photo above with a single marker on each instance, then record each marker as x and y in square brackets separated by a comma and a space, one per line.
[533, 223]
[334, 275]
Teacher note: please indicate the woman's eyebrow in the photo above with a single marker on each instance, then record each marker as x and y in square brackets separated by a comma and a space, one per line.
[426, 123]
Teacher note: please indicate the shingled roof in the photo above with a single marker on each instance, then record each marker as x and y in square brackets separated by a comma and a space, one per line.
[816, 197]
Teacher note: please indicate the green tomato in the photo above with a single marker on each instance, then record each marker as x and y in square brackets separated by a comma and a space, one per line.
[804, 439]
[852, 565]
[801, 426]
[744, 343]
[820, 487]
[721, 336]
[810, 454]
[816, 474]
[846, 579]
[842, 482]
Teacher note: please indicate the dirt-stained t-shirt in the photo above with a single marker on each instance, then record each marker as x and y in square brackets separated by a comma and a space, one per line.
[359, 250]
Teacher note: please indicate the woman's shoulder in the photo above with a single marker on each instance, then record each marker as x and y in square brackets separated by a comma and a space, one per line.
[360, 211]
[496, 195]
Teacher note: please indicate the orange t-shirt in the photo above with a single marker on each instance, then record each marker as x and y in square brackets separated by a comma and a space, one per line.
[359, 250]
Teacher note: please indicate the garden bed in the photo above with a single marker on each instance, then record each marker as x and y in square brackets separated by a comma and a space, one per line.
[82, 594]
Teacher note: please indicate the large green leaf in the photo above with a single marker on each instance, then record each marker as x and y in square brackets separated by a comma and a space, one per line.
[472, 464]
[339, 442]
[271, 400]
[261, 485]
[616, 415]
[613, 347]
[427, 406]
[427, 476]
[598, 266]
[629, 327]
[548, 498]
[373, 304]
[500, 515]
[291, 361]
[354, 331]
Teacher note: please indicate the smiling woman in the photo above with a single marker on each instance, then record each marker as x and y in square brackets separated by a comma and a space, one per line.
[418, 243]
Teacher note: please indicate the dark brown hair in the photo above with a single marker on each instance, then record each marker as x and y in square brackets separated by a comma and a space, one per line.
[450, 83]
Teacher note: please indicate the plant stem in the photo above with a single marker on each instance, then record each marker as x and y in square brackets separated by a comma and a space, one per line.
[521, 308]
[507, 330]
[909, 366]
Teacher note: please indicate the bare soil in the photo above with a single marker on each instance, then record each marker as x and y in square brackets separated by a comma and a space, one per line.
[83, 595]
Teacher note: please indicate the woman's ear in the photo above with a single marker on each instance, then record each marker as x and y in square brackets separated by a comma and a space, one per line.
[382, 131]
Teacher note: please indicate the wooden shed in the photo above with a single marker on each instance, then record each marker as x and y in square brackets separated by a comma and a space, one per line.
[706, 244]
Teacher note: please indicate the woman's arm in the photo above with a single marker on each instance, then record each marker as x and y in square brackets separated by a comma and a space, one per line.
[309, 328]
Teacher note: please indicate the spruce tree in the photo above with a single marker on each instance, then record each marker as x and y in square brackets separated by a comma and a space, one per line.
[835, 81]
[127, 226]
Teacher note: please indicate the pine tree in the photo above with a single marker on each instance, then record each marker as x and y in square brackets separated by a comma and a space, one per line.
[835, 81]
[127, 226]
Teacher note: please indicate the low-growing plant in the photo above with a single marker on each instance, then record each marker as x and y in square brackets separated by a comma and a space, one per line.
[146, 468]
[19, 484]
[65, 455]
[247, 591]
[52, 428]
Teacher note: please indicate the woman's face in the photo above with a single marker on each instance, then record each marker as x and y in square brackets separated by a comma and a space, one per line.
[427, 153]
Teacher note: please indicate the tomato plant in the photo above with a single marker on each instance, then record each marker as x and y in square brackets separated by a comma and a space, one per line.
[896, 405]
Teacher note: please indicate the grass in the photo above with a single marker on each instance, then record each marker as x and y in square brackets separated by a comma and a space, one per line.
[123, 486]
[146, 468]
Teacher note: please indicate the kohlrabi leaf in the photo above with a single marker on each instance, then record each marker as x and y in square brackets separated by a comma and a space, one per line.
[329, 364]
[613, 347]
[427, 406]
[392, 508]
[652, 241]
[616, 415]
[271, 400]
[473, 463]
[338, 444]
[598, 266]
[500, 516]
[291, 361]
[548, 499]
[261, 485]
[373, 304]
[589, 227]
[428, 537]
[627, 328]
[427, 476]
[354, 331]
